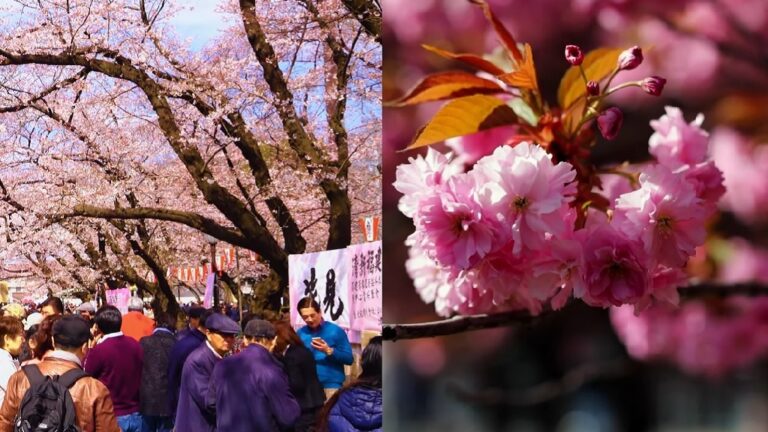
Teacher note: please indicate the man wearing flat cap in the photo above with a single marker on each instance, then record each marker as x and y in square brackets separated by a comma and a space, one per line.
[192, 415]
[93, 405]
[249, 391]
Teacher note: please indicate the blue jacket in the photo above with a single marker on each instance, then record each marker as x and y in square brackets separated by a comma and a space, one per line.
[330, 368]
[191, 413]
[249, 392]
[179, 353]
[357, 409]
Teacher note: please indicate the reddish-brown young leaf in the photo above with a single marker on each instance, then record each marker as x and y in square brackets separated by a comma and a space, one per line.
[464, 116]
[476, 62]
[525, 76]
[446, 85]
[504, 35]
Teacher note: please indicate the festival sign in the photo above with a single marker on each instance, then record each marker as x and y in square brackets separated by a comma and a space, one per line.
[364, 262]
[119, 298]
[322, 275]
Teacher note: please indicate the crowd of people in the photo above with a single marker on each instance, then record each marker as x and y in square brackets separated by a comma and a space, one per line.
[100, 370]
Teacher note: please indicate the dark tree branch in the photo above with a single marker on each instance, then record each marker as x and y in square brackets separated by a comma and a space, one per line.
[368, 13]
[460, 324]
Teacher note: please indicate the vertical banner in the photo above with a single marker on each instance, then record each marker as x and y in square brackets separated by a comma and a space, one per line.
[322, 275]
[208, 299]
[370, 227]
[119, 298]
[364, 262]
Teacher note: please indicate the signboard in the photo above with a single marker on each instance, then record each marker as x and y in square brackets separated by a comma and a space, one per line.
[322, 275]
[119, 298]
[209, 283]
[364, 262]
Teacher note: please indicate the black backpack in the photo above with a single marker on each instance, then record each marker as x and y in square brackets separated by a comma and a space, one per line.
[47, 404]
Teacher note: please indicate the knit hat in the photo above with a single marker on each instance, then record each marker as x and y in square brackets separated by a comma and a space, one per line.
[71, 331]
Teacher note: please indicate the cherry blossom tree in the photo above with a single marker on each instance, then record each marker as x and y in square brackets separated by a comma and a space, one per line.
[122, 146]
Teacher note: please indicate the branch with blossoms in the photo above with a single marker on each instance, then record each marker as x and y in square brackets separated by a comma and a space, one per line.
[519, 220]
[461, 324]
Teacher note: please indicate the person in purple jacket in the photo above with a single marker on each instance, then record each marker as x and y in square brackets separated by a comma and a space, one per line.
[192, 414]
[116, 361]
[249, 390]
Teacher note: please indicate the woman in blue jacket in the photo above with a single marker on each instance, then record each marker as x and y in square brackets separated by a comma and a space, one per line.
[357, 407]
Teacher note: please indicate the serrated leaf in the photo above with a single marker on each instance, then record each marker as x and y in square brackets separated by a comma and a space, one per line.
[476, 62]
[447, 85]
[597, 65]
[464, 116]
[523, 111]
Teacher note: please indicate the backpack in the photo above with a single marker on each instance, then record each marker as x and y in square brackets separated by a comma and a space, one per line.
[47, 404]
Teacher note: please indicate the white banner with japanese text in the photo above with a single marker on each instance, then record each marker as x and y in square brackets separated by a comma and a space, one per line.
[364, 263]
[324, 276]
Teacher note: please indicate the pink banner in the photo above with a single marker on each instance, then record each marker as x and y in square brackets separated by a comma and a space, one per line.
[208, 300]
[364, 263]
[119, 298]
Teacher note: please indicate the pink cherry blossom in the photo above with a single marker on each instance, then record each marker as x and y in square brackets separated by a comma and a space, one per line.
[419, 175]
[615, 268]
[470, 148]
[666, 214]
[676, 142]
[524, 189]
[455, 228]
[744, 167]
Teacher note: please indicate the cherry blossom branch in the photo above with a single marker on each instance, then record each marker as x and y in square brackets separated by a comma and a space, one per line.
[460, 324]
[368, 13]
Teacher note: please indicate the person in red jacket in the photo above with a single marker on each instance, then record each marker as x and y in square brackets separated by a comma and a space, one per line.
[135, 323]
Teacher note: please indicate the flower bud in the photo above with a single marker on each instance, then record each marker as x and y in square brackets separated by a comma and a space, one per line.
[609, 122]
[593, 88]
[653, 85]
[573, 55]
[630, 58]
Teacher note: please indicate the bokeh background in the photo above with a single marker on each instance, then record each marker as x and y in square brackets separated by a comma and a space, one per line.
[570, 371]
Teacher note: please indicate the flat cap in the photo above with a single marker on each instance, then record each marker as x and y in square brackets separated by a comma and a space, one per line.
[86, 307]
[71, 331]
[221, 324]
[259, 328]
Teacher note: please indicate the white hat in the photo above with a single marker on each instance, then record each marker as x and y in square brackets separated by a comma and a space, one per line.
[33, 319]
[136, 304]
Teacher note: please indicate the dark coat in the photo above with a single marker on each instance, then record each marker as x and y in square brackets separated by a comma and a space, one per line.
[153, 396]
[191, 413]
[357, 409]
[302, 377]
[179, 353]
[250, 392]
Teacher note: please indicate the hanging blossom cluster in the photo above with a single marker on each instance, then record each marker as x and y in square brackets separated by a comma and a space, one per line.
[516, 229]
[705, 337]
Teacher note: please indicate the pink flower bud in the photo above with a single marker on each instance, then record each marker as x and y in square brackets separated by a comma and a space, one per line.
[653, 85]
[609, 122]
[630, 58]
[593, 88]
[573, 55]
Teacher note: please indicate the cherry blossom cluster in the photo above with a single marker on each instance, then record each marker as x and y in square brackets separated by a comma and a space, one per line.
[706, 337]
[503, 234]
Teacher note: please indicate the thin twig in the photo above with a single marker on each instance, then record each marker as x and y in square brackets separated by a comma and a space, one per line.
[460, 324]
